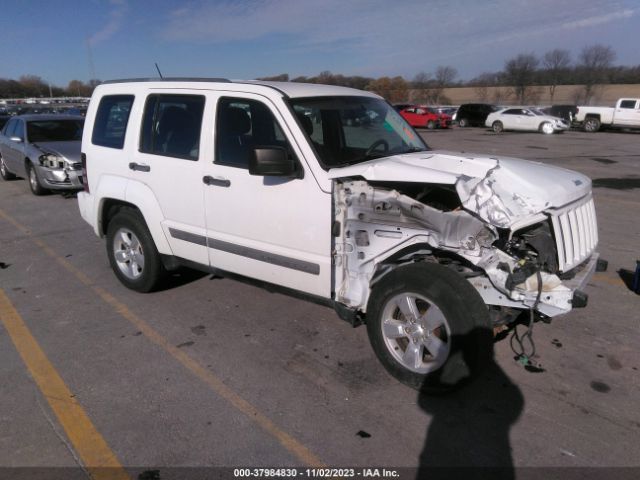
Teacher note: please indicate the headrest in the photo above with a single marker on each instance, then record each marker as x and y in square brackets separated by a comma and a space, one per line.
[235, 120]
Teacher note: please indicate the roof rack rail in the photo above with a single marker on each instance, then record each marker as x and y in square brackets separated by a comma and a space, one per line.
[168, 79]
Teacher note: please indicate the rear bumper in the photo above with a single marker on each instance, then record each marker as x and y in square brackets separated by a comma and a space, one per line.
[86, 206]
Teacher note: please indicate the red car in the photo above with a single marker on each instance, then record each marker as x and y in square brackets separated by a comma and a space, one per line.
[425, 117]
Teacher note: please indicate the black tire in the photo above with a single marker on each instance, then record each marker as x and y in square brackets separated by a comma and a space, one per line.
[129, 224]
[34, 181]
[431, 125]
[497, 126]
[4, 172]
[463, 122]
[591, 125]
[465, 330]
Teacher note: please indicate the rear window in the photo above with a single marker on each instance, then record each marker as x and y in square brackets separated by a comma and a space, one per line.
[110, 125]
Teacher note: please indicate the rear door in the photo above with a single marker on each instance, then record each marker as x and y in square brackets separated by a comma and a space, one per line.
[269, 228]
[13, 150]
[168, 161]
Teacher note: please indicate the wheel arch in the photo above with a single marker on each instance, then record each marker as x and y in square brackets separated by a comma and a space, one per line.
[118, 193]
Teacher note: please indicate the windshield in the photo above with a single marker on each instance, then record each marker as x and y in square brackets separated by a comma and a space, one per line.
[349, 130]
[54, 130]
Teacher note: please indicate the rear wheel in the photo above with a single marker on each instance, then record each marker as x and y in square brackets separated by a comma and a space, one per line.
[431, 125]
[34, 182]
[6, 174]
[497, 126]
[591, 125]
[132, 252]
[463, 122]
[429, 327]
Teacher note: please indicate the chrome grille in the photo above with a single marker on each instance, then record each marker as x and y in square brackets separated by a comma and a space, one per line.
[576, 232]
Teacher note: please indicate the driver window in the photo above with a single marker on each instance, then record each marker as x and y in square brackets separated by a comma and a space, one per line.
[241, 125]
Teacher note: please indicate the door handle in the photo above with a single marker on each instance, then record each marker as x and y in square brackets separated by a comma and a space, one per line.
[140, 167]
[217, 182]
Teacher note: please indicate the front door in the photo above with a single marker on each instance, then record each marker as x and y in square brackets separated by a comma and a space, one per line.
[272, 229]
[628, 113]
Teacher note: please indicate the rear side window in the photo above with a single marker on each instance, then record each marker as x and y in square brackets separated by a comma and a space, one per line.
[10, 127]
[628, 104]
[110, 125]
[171, 126]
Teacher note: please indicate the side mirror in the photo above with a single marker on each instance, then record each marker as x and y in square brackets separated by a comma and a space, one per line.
[272, 162]
[16, 139]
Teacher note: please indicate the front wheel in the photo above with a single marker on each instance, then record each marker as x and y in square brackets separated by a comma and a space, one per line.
[34, 182]
[463, 122]
[546, 128]
[429, 327]
[431, 125]
[132, 252]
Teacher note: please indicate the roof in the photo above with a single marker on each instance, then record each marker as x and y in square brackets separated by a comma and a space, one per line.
[48, 116]
[289, 89]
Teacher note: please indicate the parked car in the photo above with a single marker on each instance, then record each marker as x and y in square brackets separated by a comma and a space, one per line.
[526, 120]
[473, 114]
[445, 118]
[43, 148]
[566, 112]
[625, 114]
[264, 180]
[421, 117]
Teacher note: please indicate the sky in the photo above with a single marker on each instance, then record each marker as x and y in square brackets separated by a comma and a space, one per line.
[63, 40]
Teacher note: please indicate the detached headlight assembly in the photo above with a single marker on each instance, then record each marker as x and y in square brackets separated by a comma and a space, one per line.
[51, 160]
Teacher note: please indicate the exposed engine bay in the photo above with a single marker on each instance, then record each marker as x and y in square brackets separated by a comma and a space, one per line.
[386, 224]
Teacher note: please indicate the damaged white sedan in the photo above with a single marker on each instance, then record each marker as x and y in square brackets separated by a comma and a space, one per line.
[430, 249]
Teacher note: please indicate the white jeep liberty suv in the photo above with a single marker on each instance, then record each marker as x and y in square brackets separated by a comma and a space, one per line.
[327, 191]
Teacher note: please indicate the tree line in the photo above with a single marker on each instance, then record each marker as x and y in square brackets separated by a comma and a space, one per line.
[521, 79]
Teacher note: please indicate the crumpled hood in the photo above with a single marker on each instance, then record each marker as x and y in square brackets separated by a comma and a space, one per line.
[69, 150]
[501, 190]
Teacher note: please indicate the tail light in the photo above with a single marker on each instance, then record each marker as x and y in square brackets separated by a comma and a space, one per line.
[85, 178]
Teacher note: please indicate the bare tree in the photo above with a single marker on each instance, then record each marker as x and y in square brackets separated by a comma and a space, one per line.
[520, 74]
[421, 84]
[594, 63]
[445, 76]
[556, 62]
[481, 85]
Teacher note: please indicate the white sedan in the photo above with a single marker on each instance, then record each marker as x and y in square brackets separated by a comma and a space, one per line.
[527, 119]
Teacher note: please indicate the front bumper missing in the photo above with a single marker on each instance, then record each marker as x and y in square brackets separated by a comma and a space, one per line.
[557, 296]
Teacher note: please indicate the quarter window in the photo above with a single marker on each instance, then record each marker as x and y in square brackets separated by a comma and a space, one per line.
[241, 125]
[10, 127]
[19, 130]
[171, 125]
[111, 121]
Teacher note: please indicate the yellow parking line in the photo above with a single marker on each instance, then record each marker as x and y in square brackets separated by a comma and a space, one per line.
[91, 448]
[296, 448]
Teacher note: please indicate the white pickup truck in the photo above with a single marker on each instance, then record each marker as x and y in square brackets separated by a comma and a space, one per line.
[626, 114]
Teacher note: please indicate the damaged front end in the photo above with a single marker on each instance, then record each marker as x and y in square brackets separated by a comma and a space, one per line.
[519, 250]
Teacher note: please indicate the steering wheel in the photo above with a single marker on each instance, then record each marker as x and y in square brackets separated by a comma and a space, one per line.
[375, 145]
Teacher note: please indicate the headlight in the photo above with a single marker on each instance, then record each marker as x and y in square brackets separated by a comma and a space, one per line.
[51, 160]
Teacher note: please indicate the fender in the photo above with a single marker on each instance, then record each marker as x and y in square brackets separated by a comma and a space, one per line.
[139, 194]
